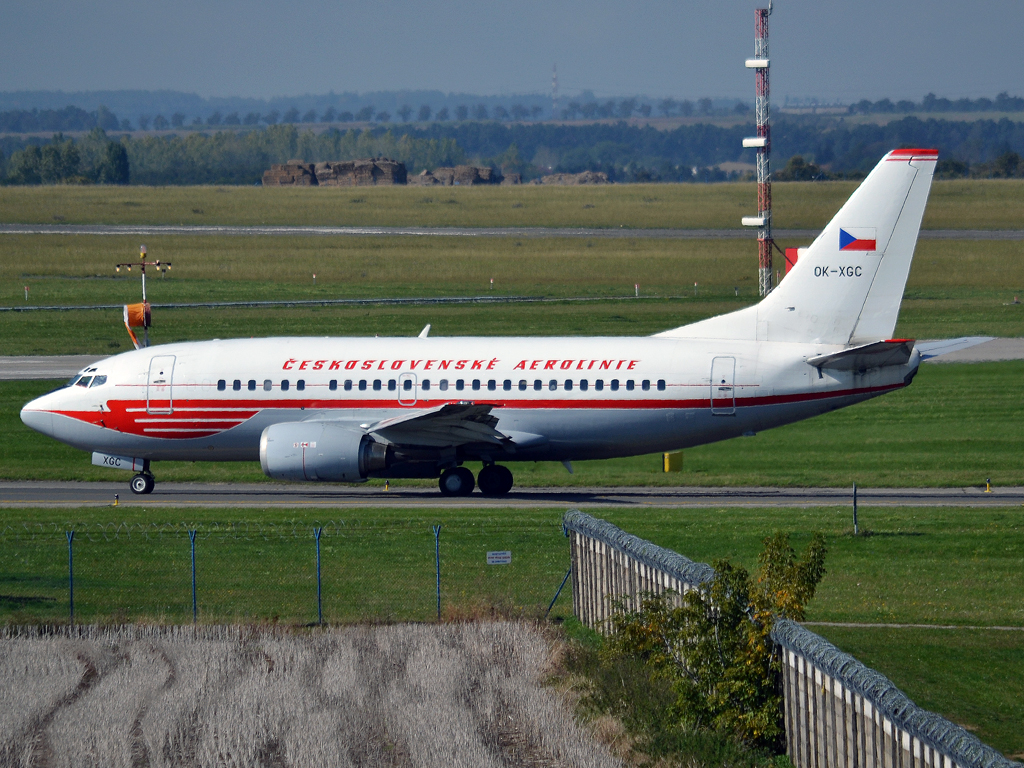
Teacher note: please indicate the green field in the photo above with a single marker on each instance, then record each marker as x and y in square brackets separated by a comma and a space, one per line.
[937, 432]
[919, 565]
[961, 204]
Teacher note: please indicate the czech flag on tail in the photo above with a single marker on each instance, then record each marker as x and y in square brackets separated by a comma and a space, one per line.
[859, 239]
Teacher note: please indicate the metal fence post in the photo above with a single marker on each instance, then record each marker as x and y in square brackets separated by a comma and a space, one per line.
[437, 566]
[553, 599]
[71, 576]
[855, 531]
[192, 541]
[319, 591]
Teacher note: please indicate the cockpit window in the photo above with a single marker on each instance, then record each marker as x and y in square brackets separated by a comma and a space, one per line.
[74, 380]
[98, 381]
[84, 381]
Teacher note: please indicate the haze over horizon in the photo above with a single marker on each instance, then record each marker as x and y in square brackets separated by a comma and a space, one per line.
[827, 50]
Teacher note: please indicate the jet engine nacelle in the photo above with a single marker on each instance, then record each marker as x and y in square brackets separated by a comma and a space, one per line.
[317, 450]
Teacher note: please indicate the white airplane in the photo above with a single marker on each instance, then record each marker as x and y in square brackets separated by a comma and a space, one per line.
[347, 409]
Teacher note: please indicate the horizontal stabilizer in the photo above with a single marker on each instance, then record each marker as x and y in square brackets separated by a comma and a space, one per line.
[875, 355]
[936, 348]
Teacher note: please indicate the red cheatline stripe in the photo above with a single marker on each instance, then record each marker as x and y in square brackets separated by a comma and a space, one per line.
[914, 153]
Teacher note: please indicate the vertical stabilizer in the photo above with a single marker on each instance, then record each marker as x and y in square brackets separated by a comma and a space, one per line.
[847, 287]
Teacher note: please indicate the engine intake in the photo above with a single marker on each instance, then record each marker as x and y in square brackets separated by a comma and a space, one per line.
[317, 450]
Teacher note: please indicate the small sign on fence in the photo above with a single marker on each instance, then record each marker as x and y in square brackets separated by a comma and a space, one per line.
[499, 558]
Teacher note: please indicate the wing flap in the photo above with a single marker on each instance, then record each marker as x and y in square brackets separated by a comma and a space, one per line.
[447, 425]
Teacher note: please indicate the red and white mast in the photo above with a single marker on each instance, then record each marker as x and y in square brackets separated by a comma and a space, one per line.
[762, 142]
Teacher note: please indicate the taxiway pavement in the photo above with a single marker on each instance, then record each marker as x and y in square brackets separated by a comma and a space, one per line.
[73, 495]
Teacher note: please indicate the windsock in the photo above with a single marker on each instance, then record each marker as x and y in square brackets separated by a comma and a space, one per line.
[137, 316]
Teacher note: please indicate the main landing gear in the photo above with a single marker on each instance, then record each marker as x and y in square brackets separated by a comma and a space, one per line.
[493, 480]
[143, 482]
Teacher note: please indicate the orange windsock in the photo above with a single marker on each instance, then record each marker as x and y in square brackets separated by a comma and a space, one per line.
[137, 315]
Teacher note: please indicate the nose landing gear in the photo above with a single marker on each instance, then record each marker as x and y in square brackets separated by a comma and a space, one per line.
[142, 483]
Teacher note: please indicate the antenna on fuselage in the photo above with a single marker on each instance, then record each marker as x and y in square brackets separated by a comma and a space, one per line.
[140, 315]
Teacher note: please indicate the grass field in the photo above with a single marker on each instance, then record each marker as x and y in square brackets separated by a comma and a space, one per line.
[938, 432]
[976, 204]
[955, 288]
[920, 565]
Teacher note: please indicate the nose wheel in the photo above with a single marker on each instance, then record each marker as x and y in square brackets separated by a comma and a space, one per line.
[494, 480]
[142, 483]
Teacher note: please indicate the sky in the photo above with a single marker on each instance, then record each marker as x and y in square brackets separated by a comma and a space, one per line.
[830, 50]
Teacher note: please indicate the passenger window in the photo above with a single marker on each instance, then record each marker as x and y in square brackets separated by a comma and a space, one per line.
[460, 385]
[406, 385]
[522, 385]
[538, 385]
[646, 385]
[615, 385]
[476, 384]
[661, 385]
[629, 385]
[425, 384]
[568, 385]
[267, 385]
[84, 381]
[221, 385]
[362, 385]
[99, 381]
[237, 385]
[252, 385]
[284, 385]
[444, 385]
[492, 385]
[552, 385]
[333, 385]
[300, 384]
[392, 385]
[599, 385]
[584, 384]
[376, 385]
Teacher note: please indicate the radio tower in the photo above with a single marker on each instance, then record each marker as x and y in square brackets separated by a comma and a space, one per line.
[554, 91]
[762, 142]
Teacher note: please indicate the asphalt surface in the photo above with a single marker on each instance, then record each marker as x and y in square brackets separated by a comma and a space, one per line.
[72, 495]
[522, 232]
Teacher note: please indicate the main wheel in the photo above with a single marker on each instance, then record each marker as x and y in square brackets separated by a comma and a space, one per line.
[456, 482]
[142, 483]
[494, 480]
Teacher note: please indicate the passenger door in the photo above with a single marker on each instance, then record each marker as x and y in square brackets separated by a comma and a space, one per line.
[723, 386]
[159, 397]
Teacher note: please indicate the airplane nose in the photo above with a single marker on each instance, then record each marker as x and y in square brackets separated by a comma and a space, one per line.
[35, 418]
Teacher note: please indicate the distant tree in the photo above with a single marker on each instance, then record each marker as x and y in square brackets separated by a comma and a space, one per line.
[741, 108]
[365, 114]
[520, 112]
[535, 111]
[232, 119]
[114, 169]
[126, 124]
[589, 110]
[252, 118]
[862, 107]
[215, 119]
[627, 107]
[346, 117]
[645, 110]
[884, 106]
[983, 104]
[143, 122]
[291, 116]
[686, 108]
[797, 169]
[442, 115]
[197, 122]
[607, 109]
[480, 112]
[382, 117]
[1006, 165]
[106, 119]
[271, 117]
[24, 165]
[461, 112]
[405, 112]
[160, 123]
[310, 116]
[905, 106]
[667, 106]
[424, 114]
[500, 113]
[329, 116]
[177, 120]
[705, 105]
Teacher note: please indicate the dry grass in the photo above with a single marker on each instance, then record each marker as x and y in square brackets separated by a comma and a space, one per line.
[405, 695]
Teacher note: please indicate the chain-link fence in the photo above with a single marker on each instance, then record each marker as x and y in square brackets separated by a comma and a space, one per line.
[291, 573]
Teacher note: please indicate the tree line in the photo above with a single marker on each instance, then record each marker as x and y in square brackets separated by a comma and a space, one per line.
[627, 153]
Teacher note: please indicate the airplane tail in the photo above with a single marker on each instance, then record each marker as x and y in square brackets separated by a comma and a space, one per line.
[847, 286]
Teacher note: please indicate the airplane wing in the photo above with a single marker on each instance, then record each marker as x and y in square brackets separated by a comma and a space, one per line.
[446, 425]
[874, 355]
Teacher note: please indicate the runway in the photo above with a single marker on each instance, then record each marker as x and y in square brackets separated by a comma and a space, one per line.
[520, 232]
[74, 495]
